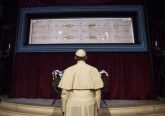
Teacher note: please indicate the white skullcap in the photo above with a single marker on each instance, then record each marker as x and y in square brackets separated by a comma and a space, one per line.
[81, 53]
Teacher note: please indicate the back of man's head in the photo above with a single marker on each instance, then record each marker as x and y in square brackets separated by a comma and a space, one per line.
[80, 55]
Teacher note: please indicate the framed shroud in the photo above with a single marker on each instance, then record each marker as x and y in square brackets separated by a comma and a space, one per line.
[93, 28]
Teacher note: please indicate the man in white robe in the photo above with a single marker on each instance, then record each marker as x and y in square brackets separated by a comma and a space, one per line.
[81, 88]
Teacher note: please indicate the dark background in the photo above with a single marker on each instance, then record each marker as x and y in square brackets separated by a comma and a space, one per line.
[132, 75]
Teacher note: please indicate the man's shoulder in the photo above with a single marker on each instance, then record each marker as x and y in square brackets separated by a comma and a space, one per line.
[75, 66]
[91, 67]
[70, 67]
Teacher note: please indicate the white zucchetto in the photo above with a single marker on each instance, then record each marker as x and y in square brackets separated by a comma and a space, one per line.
[81, 53]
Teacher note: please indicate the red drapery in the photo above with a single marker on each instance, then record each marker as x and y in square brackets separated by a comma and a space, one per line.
[40, 3]
[129, 73]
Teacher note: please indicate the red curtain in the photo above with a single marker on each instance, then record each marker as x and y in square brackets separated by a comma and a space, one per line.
[40, 3]
[129, 73]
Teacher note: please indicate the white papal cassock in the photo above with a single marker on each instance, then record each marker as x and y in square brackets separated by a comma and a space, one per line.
[81, 90]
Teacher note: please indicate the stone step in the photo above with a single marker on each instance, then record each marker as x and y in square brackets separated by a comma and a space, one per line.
[15, 109]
